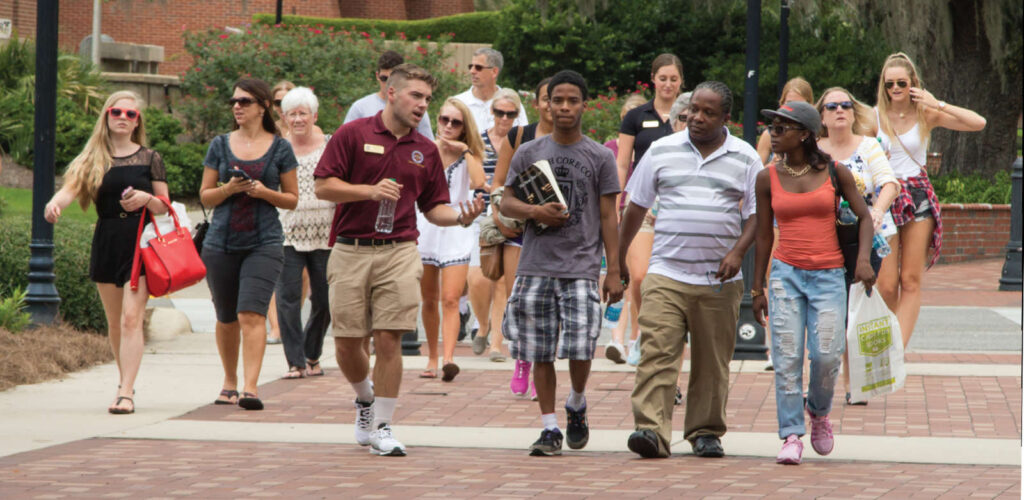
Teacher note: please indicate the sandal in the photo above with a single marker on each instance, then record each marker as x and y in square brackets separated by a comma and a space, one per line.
[428, 374]
[227, 393]
[294, 372]
[249, 401]
[849, 402]
[114, 410]
[314, 365]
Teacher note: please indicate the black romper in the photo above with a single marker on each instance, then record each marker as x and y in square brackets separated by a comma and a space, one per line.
[113, 242]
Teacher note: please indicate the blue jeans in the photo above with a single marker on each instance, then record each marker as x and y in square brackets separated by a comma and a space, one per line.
[813, 302]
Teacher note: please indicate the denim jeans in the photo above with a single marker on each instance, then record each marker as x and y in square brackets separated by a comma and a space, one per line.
[814, 302]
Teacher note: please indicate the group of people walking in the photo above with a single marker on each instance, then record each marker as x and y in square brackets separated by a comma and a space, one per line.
[381, 220]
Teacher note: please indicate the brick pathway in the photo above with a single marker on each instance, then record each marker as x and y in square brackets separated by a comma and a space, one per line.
[107, 468]
[974, 283]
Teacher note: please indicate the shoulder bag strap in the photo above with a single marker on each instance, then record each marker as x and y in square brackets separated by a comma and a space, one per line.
[136, 258]
[519, 138]
[909, 155]
[833, 178]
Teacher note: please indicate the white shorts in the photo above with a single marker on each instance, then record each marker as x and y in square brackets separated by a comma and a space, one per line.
[445, 246]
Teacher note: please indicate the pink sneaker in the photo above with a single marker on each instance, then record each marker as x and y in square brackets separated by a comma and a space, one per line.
[821, 434]
[520, 378]
[792, 450]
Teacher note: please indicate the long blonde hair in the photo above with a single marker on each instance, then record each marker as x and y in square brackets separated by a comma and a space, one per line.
[86, 171]
[900, 60]
[861, 113]
[470, 134]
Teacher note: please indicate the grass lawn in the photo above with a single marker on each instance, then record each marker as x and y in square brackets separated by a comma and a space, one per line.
[19, 201]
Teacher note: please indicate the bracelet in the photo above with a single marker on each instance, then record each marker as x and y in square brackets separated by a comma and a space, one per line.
[756, 293]
[458, 219]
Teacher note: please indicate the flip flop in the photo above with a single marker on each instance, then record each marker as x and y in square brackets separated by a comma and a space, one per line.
[249, 401]
[450, 371]
[228, 393]
[428, 374]
[294, 373]
[122, 411]
[312, 365]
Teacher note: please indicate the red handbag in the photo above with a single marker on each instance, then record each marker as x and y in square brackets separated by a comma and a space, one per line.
[171, 259]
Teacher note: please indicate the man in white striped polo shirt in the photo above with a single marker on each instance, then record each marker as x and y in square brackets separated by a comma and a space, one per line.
[704, 181]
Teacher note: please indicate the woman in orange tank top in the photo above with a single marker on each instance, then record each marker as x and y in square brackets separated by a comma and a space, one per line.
[807, 292]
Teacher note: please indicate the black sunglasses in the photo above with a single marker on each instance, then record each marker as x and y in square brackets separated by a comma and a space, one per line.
[478, 67]
[832, 106]
[277, 102]
[241, 101]
[899, 83]
[444, 121]
[504, 114]
[781, 129]
[682, 117]
[383, 78]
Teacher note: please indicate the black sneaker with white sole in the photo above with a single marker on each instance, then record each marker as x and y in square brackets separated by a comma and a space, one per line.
[549, 444]
[577, 433]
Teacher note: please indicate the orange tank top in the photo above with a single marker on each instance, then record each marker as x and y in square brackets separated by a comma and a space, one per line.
[807, 226]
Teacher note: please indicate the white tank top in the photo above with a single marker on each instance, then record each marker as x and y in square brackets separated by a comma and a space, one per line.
[903, 160]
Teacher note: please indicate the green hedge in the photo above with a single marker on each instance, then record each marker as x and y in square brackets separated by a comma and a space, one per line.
[80, 304]
[183, 160]
[473, 27]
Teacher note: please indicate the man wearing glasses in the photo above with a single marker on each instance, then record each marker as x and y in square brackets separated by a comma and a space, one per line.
[704, 180]
[374, 103]
[484, 71]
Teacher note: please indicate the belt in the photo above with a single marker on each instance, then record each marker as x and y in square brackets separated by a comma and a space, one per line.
[123, 215]
[366, 242]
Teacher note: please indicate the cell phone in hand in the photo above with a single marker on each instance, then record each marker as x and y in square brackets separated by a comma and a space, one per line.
[235, 172]
[126, 192]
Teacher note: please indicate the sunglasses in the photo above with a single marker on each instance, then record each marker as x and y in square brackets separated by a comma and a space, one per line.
[383, 78]
[715, 287]
[130, 114]
[899, 83]
[832, 106]
[277, 102]
[478, 67]
[781, 129]
[682, 117]
[444, 121]
[241, 101]
[504, 114]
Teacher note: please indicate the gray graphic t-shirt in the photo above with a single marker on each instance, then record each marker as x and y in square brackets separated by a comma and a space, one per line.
[585, 171]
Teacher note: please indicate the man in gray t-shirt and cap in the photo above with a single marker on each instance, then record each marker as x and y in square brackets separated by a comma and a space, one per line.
[555, 306]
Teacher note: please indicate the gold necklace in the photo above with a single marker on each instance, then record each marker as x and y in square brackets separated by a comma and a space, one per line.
[794, 173]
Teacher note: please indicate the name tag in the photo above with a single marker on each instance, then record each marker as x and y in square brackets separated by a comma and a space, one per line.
[650, 124]
[376, 149]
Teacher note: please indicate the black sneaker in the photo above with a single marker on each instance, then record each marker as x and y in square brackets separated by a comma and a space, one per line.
[643, 442]
[577, 433]
[708, 446]
[679, 396]
[549, 444]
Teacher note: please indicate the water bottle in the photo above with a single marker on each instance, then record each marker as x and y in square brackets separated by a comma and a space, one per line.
[612, 313]
[604, 266]
[846, 215]
[385, 216]
[880, 245]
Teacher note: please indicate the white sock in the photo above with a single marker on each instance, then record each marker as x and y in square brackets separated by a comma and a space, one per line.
[576, 400]
[383, 410]
[550, 421]
[364, 390]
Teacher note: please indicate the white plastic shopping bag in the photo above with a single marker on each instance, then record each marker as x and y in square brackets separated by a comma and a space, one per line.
[874, 344]
[166, 224]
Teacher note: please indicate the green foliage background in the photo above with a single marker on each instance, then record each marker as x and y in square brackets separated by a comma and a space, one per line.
[472, 27]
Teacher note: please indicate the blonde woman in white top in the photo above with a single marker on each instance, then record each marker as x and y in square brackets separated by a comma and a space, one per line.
[906, 114]
[306, 230]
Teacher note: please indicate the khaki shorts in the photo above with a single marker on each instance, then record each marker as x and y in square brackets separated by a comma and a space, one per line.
[373, 288]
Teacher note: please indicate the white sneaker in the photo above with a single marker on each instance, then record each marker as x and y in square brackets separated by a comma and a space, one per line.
[364, 422]
[384, 444]
[613, 351]
[634, 353]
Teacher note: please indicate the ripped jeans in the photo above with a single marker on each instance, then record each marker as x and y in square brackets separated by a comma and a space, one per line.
[809, 301]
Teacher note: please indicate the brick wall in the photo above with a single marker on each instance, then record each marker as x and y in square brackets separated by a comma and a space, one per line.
[974, 231]
[23, 15]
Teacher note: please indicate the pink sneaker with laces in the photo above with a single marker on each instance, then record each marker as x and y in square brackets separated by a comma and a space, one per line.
[520, 378]
[821, 434]
[792, 450]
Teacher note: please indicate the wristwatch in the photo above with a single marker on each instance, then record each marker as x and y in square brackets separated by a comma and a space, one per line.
[942, 104]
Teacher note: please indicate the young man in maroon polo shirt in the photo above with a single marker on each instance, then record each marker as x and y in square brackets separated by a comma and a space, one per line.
[374, 277]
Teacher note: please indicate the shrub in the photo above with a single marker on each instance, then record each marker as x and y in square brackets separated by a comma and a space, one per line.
[336, 64]
[13, 317]
[183, 160]
[80, 304]
[473, 27]
[959, 188]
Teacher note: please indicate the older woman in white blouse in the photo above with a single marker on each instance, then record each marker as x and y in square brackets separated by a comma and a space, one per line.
[306, 230]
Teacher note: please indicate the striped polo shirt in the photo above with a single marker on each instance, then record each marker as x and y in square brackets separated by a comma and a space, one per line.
[702, 203]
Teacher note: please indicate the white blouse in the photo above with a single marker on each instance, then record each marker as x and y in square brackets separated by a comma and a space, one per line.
[308, 227]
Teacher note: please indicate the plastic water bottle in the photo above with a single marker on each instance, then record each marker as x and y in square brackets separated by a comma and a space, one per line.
[604, 266]
[385, 216]
[612, 313]
[880, 245]
[846, 215]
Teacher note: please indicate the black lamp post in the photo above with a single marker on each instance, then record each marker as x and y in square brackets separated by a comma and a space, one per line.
[1011, 278]
[749, 334]
[280, 8]
[42, 299]
[783, 45]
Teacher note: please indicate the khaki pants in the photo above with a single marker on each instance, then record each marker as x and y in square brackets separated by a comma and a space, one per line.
[671, 308]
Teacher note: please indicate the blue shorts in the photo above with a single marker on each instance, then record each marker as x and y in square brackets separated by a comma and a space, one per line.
[540, 309]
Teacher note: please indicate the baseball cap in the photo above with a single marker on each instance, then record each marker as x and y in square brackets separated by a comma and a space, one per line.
[797, 111]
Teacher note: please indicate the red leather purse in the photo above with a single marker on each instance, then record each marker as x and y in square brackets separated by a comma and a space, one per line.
[171, 259]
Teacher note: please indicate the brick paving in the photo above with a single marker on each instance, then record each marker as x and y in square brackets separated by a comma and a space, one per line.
[111, 468]
[974, 283]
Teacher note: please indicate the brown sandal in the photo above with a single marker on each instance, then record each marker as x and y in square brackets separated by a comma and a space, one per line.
[227, 393]
[114, 410]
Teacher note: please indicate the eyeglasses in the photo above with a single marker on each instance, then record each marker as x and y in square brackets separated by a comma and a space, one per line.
[781, 129]
[899, 83]
[832, 106]
[130, 114]
[682, 117]
[478, 67]
[277, 102]
[504, 114]
[241, 101]
[714, 287]
[383, 78]
[444, 121]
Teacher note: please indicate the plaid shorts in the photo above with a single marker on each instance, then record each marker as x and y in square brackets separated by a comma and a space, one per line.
[540, 308]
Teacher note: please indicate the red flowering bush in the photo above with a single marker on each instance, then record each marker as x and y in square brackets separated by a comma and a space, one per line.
[337, 64]
[601, 120]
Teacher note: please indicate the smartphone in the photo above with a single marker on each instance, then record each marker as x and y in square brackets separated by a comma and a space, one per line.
[127, 190]
[235, 172]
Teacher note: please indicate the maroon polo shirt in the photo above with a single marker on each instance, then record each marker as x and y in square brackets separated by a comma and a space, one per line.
[364, 151]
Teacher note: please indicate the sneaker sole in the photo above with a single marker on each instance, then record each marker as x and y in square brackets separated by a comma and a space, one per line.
[395, 452]
[614, 355]
[578, 445]
[642, 447]
[823, 453]
[537, 452]
[787, 461]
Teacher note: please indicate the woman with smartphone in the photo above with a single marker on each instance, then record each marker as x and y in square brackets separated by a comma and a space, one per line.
[249, 174]
[121, 176]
